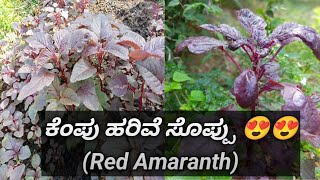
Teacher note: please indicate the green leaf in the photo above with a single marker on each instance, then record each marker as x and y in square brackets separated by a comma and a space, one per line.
[181, 77]
[215, 9]
[188, 7]
[186, 107]
[173, 3]
[197, 95]
[102, 97]
[172, 86]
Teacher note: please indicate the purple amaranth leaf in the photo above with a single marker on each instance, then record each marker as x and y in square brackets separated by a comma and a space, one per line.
[14, 149]
[119, 84]
[296, 100]
[38, 105]
[17, 172]
[6, 156]
[154, 98]
[117, 50]
[282, 34]
[78, 39]
[69, 97]
[44, 56]
[139, 55]
[20, 131]
[311, 138]
[24, 152]
[271, 70]
[35, 161]
[231, 34]
[82, 70]
[40, 40]
[245, 89]
[156, 46]
[37, 83]
[27, 68]
[88, 95]
[263, 52]
[199, 44]
[3, 171]
[100, 25]
[129, 35]
[254, 24]
[13, 92]
[55, 106]
[152, 71]
[4, 103]
[289, 32]
[130, 44]
[61, 39]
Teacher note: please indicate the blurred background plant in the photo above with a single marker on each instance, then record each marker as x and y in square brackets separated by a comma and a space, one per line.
[14, 11]
[203, 82]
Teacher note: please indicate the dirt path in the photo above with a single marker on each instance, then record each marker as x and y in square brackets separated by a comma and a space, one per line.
[137, 14]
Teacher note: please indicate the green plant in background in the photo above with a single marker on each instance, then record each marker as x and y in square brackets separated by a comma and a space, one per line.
[182, 92]
[317, 171]
[13, 11]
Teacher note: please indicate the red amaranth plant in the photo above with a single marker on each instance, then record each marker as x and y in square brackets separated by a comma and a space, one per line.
[262, 77]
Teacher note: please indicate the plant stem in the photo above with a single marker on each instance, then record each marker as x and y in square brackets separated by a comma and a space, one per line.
[243, 47]
[231, 58]
[274, 56]
[177, 99]
[141, 96]
[253, 108]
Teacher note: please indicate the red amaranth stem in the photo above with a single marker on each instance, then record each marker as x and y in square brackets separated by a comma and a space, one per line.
[140, 99]
[231, 58]
[278, 51]
[57, 19]
[243, 47]
[270, 44]
[100, 56]
[63, 75]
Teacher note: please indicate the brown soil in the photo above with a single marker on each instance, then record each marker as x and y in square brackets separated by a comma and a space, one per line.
[137, 14]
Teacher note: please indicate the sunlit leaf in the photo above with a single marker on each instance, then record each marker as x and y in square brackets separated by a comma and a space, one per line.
[37, 83]
[82, 70]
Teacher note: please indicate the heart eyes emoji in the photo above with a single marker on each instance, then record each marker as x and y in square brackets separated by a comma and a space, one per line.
[264, 125]
[292, 125]
[286, 127]
[252, 125]
[280, 125]
[258, 127]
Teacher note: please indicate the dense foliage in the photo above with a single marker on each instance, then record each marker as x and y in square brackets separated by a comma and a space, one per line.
[67, 59]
